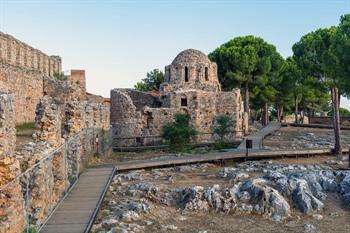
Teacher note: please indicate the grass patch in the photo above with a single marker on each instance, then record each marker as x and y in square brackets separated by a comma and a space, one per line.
[25, 126]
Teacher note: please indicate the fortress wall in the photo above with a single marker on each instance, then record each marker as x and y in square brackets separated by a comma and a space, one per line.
[16, 53]
[22, 70]
[27, 87]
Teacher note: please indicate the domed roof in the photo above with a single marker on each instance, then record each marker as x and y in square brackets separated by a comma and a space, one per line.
[191, 56]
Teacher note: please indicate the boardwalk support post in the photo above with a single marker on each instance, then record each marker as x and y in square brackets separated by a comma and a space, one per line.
[248, 145]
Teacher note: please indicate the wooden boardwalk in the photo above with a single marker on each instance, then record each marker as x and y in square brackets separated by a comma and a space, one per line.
[259, 136]
[78, 210]
[219, 156]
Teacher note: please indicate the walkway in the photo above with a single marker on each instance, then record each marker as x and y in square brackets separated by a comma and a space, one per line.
[218, 156]
[259, 136]
[79, 208]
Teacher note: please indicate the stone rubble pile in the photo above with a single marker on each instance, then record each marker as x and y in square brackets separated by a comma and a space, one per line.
[273, 191]
[273, 194]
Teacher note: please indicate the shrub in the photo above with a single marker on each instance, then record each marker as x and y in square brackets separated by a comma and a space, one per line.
[60, 76]
[179, 133]
[30, 230]
[223, 127]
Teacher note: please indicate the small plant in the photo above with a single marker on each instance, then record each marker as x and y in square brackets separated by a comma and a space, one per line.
[25, 126]
[60, 76]
[223, 127]
[179, 133]
[30, 230]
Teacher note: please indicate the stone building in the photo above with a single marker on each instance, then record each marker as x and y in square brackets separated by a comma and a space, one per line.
[191, 86]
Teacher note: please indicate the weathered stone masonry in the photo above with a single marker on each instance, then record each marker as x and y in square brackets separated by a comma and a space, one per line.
[11, 200]
[22, 71]
[71, 126]
[191, 86]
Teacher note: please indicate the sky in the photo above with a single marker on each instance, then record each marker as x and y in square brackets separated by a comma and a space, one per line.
[118, 41]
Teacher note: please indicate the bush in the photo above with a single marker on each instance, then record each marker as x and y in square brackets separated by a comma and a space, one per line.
[223, 127]
[179, 133]
[30, 230]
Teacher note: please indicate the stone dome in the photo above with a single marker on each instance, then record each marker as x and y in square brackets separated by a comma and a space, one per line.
[191, 56]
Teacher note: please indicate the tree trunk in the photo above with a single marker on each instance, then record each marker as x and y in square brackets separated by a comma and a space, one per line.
[278, 113]
[302, 117]
[247, 96]
[296, 109]
[281, 114]
[265, 119]
[336, 122]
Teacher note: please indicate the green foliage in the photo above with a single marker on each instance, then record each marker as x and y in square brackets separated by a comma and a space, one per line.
[179, 133]
[30, 230]
[151, 82]
[316, 97]
[341, 49]
[315, 55]
[60, 76]
[244, 59]
[252, 64]
[342, 111]
[223, 126]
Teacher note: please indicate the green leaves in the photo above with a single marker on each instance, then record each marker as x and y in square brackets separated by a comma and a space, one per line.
[151, 82]
[223, 126]
[243, 59]
[179, 133]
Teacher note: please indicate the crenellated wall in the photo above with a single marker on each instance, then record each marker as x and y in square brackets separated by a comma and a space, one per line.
[16, 53]
[22, 71]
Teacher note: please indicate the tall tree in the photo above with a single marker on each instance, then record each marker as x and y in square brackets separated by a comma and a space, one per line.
[315, 55]
[152, 81]
[242, 61]
[341, 47]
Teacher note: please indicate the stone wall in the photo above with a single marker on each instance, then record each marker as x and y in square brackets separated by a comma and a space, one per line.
[145, 122]
[26, 85]
[22, 70]
[344, 121]
[11, 201]
[66, 136]
[16, 53]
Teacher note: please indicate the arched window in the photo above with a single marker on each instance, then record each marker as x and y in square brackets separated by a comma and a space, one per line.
[186, 74]
[169, 74]
[206, 74]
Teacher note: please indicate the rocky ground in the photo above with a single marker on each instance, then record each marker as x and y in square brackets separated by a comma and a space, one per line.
[267, 196]
[304, 138]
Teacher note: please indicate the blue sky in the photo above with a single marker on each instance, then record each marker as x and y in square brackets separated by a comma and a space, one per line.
[117, 42]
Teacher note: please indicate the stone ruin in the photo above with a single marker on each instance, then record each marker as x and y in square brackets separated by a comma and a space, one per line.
[71, 126]
[11, 200]
[191, 86]
[22, 71]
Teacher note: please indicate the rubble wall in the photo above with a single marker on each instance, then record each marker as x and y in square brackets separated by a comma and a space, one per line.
[62, 147]
[11, 200]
